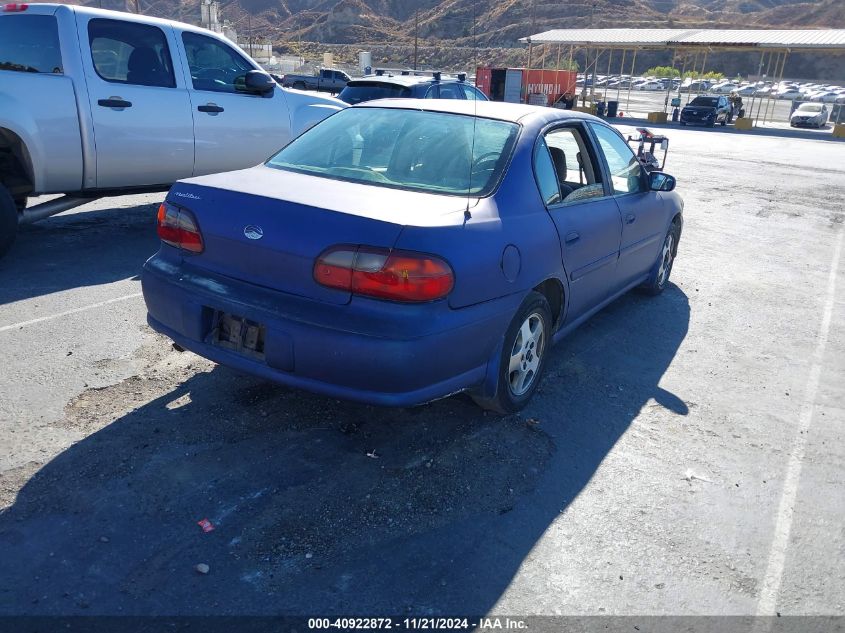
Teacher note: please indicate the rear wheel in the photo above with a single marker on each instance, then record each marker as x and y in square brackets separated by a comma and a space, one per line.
[8, 220]
[299, 85]
[523, 359]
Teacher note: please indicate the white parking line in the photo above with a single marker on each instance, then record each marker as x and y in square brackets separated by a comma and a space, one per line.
[777, 555]
[17, 326]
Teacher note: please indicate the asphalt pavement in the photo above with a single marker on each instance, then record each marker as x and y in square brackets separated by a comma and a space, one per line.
[684, 455]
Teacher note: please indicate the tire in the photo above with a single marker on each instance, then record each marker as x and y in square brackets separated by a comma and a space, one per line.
[525, 348]
[683, 124]
[724, 122]
[659, 275]
[8, 221]
[298, 85]
[20, 203]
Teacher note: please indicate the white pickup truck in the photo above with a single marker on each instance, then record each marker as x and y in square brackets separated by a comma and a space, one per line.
[96, 103]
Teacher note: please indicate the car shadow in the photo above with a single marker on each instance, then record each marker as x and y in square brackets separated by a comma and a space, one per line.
[79, 249]
[319, 506]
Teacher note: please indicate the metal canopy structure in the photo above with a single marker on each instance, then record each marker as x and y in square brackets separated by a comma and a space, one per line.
[830, 40]
[688, 46]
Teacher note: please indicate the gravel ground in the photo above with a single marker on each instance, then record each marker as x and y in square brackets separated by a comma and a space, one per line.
[684, 455]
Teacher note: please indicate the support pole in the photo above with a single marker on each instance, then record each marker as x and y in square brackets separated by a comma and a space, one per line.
[621, 72]
[694, 66]
[630, 83]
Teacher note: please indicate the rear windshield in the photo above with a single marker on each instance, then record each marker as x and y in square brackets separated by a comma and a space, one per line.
[368, 90]
[709, 102]
[30, 44]
[406, 149]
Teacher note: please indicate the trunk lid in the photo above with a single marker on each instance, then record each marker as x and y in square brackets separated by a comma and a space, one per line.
[267, 227]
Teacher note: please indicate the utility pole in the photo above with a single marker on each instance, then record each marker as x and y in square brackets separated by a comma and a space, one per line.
[416, 34]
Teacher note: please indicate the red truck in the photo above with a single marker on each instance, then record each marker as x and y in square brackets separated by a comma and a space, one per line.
[525, 85]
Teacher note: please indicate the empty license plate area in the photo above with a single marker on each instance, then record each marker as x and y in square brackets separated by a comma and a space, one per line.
[238, 334]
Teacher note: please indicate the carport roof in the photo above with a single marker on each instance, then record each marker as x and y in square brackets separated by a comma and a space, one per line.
[816, 39]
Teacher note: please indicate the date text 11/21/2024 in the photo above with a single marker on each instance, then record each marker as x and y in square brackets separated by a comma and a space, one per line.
[423, 623]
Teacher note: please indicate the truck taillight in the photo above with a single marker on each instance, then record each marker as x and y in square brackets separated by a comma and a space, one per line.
[379, 272]
[15, 6]
[178, 227]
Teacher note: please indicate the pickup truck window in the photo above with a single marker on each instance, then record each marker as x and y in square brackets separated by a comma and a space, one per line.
[130, 53]
[214, 66]
[30, 44]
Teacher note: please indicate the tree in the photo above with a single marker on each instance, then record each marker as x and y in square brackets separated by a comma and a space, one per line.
[663, 71]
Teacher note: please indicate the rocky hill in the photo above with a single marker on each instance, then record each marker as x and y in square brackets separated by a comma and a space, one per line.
[495, 25]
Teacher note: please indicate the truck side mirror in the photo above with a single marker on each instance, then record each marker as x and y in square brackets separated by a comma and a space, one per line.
[659, 181]
[259, 82]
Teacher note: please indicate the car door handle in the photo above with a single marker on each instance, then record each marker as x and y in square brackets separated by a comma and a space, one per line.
[210, 107]
[114, 102]
[572, 237]
[630, 218]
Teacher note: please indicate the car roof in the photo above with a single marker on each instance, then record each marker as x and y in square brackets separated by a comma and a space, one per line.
[513, 112]
[402, 80]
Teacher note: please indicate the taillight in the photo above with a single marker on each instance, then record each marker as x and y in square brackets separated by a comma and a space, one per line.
[178, 227]
[15, 6]
[384, 274]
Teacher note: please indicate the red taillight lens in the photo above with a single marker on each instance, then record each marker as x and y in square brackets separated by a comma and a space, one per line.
[15, 6]
[385, 274]
[178, 227]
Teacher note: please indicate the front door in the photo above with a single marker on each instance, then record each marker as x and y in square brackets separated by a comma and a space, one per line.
[586, 219]
[143, 129]
[233, 129]
[643, 217]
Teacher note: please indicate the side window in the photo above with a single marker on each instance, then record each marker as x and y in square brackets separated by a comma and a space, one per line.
[130, 53]
[574, 166]
[451, 91]
[30, 44]
[626, 174]
[471, 93]
[214, 65]
[433, 92]
[544, 171]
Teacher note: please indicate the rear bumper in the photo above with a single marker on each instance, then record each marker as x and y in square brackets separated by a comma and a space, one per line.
[368, 351]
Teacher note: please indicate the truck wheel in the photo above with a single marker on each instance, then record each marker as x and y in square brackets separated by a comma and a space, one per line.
[299, 85]
[8, 221]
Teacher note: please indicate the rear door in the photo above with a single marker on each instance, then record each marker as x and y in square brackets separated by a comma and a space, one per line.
[587, 220]
[143, 129]
[233, 129]
[642, 212]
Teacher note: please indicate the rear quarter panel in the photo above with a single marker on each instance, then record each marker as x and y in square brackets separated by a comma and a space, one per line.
[43, 111]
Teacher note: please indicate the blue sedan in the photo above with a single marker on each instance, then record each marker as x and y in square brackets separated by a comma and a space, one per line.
[405, 250]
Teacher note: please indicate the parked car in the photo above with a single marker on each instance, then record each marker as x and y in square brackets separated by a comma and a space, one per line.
[390, 86]
[789, 93]
[707, 110]
[725, 87]
[97, 102]
[810, 115]
[325, 80]
[457, 241]
[651, 86]
[826, 96]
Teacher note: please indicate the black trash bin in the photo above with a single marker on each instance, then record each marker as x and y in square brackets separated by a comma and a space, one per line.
[600, 106]
[612, 107]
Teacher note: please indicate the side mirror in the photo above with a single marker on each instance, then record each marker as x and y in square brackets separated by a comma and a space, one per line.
[259, 82]
[658, 181]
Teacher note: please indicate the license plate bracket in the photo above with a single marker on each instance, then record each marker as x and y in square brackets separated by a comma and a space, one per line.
[238, 334]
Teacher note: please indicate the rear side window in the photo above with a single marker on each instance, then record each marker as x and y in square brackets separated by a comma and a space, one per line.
[29, 44]
[130, 53]
[369, 90]
[451, 91]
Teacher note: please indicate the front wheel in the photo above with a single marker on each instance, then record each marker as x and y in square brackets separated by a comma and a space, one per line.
[662, 268]
[526, 345]
[8, 220]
